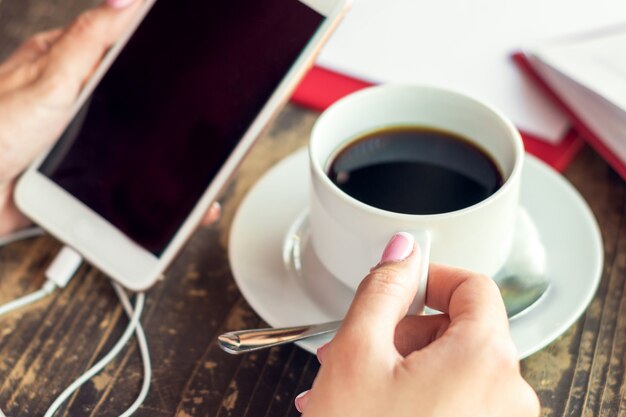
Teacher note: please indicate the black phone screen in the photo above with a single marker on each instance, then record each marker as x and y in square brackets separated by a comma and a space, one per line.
[172, 107]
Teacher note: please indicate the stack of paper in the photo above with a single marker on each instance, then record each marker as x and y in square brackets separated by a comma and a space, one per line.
[587, 74]
[464, 45]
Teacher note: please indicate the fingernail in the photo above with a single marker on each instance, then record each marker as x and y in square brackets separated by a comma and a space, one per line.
[119, 4]
[399, 247]
[301, 400]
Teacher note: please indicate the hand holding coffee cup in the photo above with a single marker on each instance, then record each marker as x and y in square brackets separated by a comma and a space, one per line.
[428, 161]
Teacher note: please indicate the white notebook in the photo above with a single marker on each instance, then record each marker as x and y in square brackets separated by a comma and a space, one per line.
[588, 73]
[465, 45]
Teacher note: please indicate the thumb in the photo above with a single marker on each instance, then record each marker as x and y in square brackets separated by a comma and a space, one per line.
[385, 295]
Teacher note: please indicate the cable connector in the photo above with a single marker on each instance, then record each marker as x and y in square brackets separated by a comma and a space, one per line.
[58, 274]
[63, 268]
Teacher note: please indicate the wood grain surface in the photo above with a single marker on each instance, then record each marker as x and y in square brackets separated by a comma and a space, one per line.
[45, 346]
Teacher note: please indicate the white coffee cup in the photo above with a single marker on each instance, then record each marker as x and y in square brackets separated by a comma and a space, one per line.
[348, 236]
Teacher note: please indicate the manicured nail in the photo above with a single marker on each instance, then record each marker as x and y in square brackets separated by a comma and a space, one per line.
[301, 400]
[120, 4]
[399, 247]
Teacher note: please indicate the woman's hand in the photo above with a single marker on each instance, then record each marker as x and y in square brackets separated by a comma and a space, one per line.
[459, 363]
[39, 85]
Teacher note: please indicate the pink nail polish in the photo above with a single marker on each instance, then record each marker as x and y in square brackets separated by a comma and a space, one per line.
[119, 4]
[399, 247]
[301, 400]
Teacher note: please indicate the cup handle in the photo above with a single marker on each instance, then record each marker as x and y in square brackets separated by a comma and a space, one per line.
[424, 241]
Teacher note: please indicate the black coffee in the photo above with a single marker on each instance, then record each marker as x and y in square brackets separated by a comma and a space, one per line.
[415, 170]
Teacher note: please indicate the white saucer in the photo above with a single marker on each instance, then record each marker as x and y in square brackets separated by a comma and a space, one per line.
[270, 217]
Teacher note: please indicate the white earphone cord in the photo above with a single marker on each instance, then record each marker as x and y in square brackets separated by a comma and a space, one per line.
[60, 271]
[133, 327]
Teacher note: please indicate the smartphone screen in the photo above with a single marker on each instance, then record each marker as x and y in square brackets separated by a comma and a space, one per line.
[172, 107]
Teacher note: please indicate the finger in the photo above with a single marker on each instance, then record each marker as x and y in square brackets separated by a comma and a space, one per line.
[322, 352]
[384, 296]
[80, 48]
[464, 294]
[528, 400]
[12, 218]
[30, 50]
[20, 69]
[416, 332]
[301, 400]
[212, 214]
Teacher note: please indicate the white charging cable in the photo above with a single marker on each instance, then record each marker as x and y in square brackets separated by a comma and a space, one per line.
[133, 325]
[143, 348]
[21, 235]
[58, 274]
[46, 289]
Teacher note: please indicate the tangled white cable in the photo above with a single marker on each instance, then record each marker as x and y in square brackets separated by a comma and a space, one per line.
[133, 326]
[58, 274]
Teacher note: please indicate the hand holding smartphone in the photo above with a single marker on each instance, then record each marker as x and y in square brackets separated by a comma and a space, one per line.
[164, 122]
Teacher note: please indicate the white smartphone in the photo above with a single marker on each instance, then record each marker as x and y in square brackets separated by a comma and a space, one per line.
[164, 122]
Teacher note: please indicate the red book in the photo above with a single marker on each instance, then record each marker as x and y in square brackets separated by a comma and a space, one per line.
[322, 87]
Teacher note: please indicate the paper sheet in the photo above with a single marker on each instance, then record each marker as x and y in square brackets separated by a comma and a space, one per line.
[589, 73]
[464, 45]
[597, 61]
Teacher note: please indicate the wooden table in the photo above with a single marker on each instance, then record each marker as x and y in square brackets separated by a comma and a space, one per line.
[45, 346]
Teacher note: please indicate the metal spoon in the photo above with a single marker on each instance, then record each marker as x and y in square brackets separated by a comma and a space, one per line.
[244, 341]
[522, 282]
[523, 279]
[517, 299]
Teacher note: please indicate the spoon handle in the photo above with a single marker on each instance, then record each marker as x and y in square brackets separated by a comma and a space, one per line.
[518, 298]
[244, 341]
